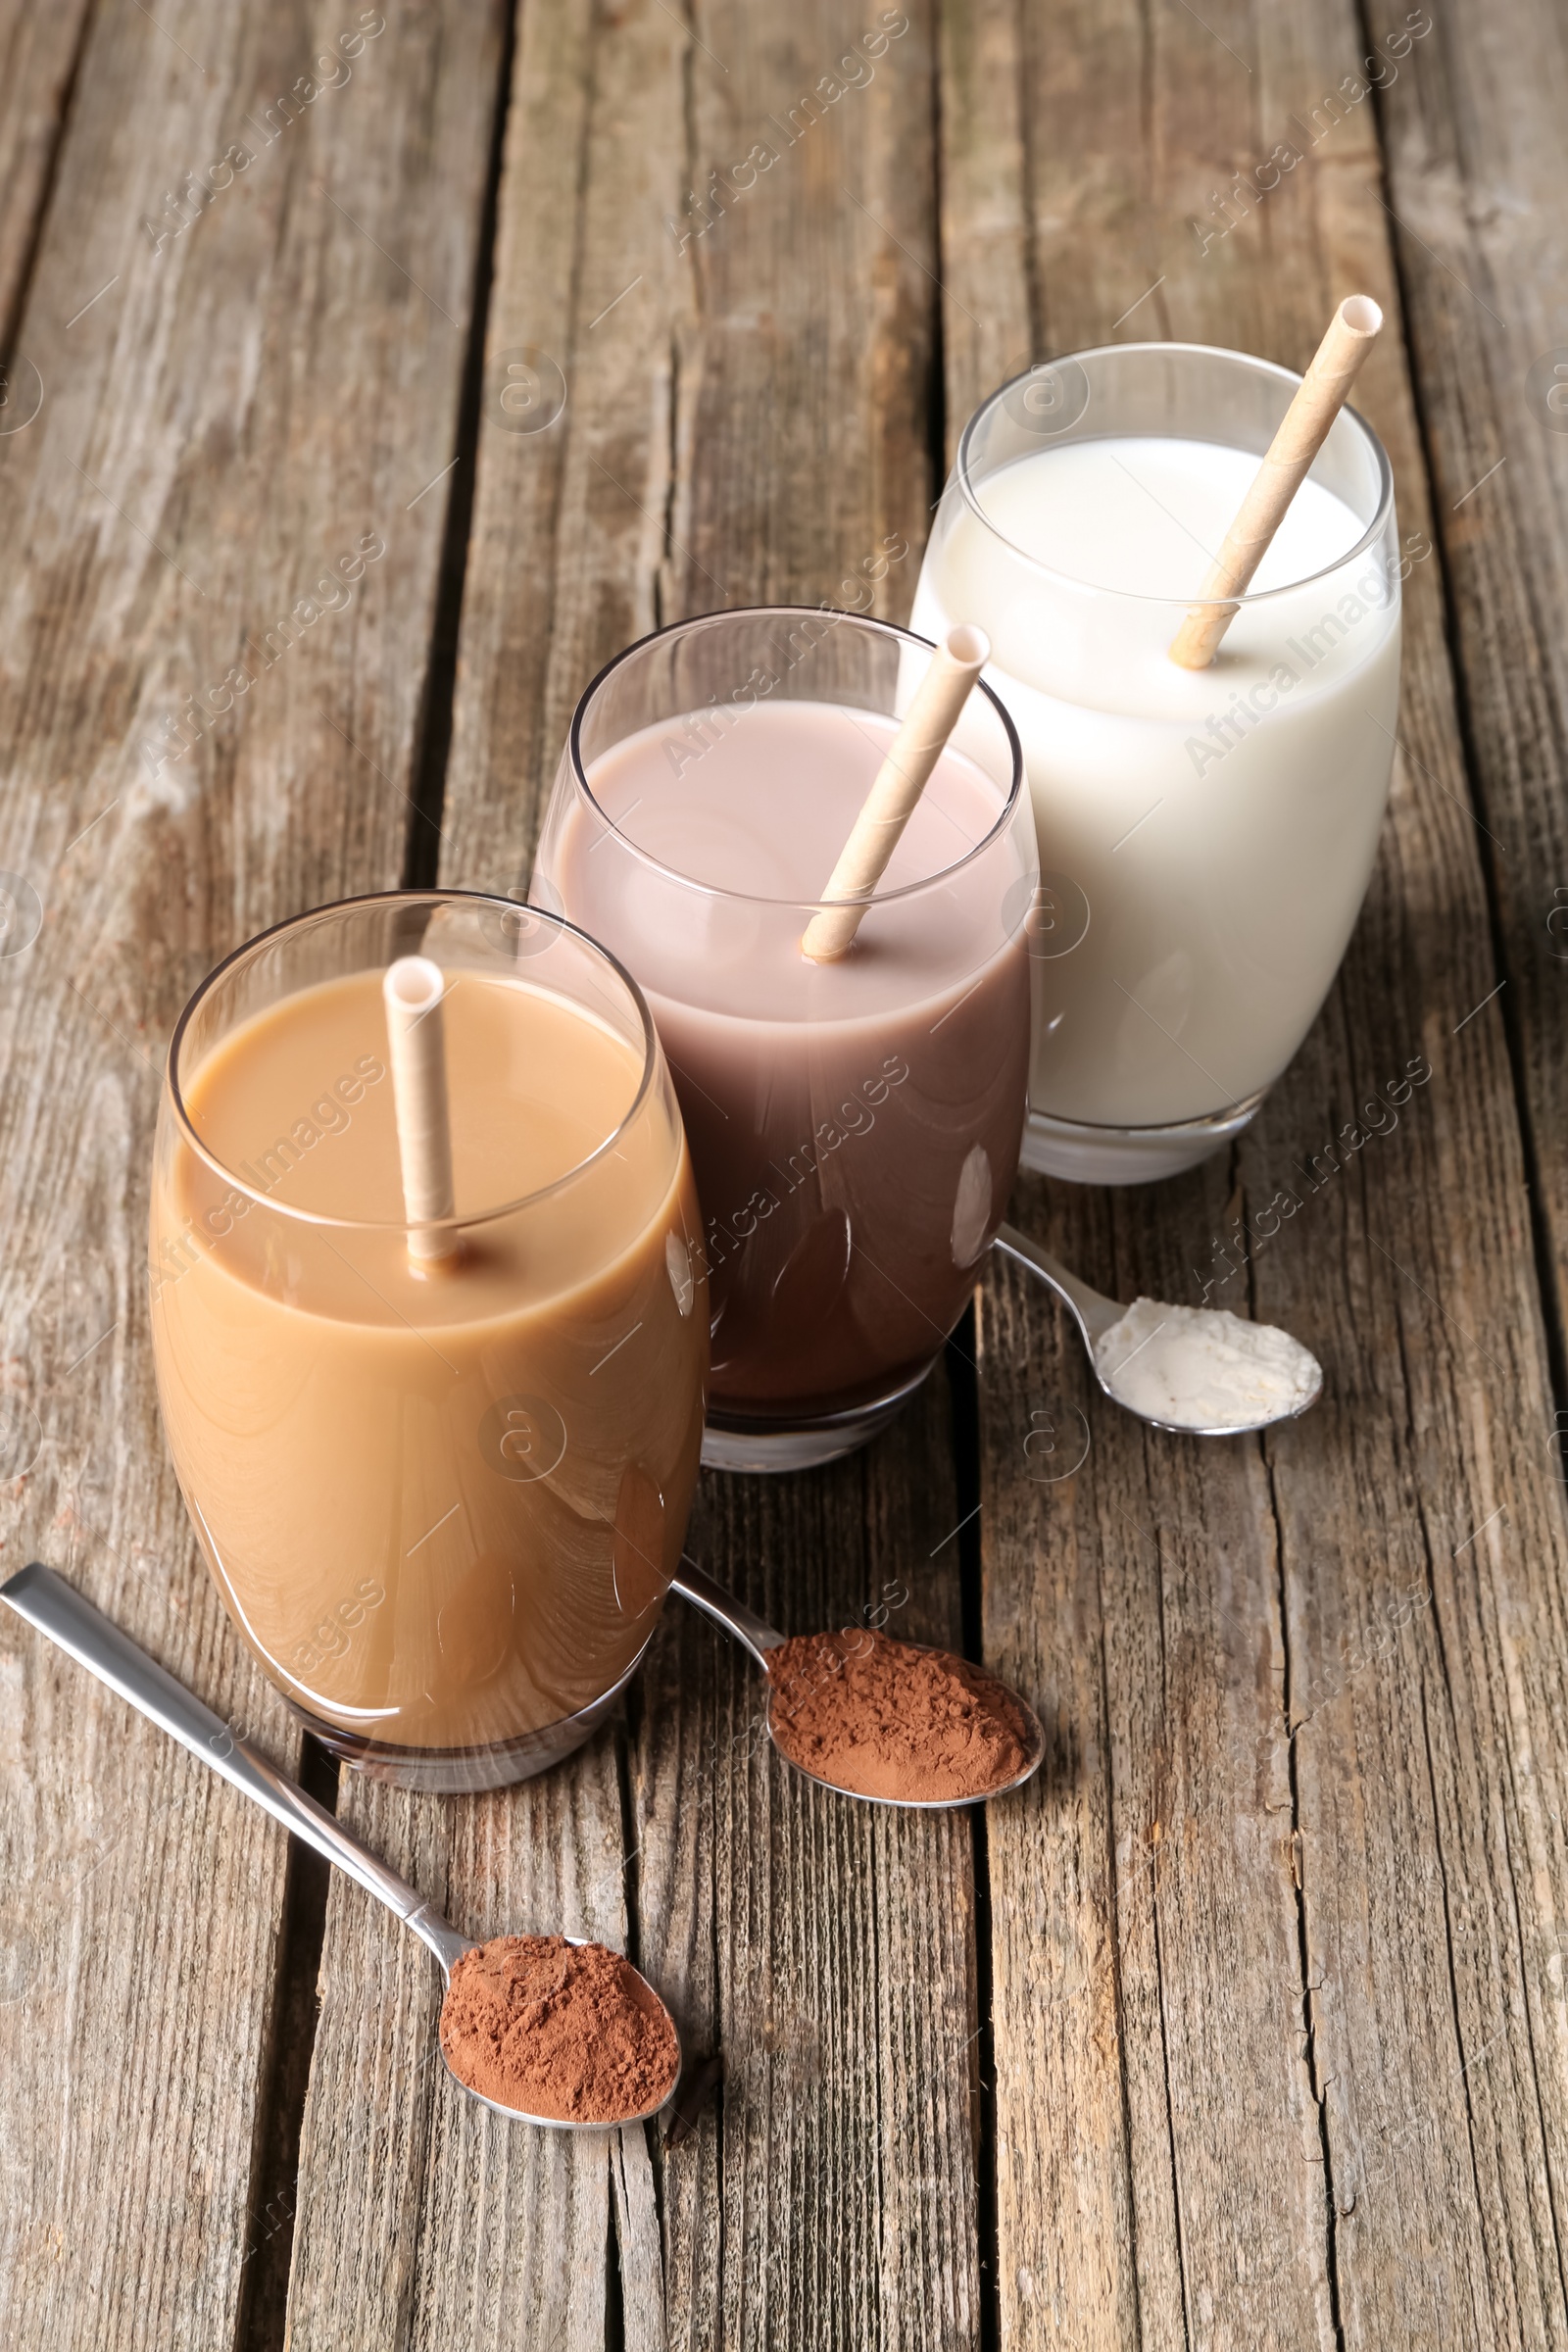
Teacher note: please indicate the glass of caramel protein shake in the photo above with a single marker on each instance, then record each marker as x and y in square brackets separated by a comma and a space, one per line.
[441, 1473]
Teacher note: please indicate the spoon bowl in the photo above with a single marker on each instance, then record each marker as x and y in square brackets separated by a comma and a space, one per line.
[1095, 1315]
[755, 1635]
[59, 1612]
[1036, 1747]
[449, 1947]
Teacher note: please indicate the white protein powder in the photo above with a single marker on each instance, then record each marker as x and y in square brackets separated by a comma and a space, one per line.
[1200, 1368]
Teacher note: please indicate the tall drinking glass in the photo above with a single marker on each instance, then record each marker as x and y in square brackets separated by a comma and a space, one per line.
[442, 1504]
[853, 1125]
[1206, 837]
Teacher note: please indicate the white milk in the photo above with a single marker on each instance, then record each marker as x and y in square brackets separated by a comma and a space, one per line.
[1221, 824]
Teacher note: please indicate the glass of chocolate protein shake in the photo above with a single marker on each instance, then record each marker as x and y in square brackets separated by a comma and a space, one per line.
[854, 1125]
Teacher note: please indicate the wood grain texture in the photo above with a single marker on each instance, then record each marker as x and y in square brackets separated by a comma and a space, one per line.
[985, 160]
[1277, 1948]
[746, 421]
[809, 415]
[569, 547]
[485, 2234]
[1302, 1841]
[425, 2220]
[1471, 182]
[39, 49]
[260, 387]
[824, 1948]
[824, 1951]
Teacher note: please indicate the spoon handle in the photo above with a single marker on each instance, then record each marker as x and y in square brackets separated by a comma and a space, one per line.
[58, 1611]
[1093, 1312]
[724, 1609]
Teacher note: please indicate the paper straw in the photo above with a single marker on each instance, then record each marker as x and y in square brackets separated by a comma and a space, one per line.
[413, 990]
[1319, 398]
[900, 781]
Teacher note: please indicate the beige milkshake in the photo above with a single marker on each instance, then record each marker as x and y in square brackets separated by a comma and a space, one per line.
[441, 1505]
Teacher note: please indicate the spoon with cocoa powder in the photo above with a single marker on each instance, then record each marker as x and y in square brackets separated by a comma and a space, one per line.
[891, 1722]
[546, 2029]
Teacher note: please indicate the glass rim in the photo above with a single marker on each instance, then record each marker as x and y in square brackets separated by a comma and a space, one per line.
[961, 475]
[403, 1225]
[751, 897]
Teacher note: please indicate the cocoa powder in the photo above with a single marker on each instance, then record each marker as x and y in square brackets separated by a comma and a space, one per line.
[884, 1718]
[566, 2031]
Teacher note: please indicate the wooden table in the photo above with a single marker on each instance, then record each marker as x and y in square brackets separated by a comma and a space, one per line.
[1247, 2025]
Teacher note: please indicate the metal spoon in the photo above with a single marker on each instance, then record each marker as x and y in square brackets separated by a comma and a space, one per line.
[1095, 1313]
[57, 1609]
[759, 1637]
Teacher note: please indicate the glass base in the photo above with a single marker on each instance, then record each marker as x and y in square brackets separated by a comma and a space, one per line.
[1087, 1154]
[800, 1441]
[464, 1771]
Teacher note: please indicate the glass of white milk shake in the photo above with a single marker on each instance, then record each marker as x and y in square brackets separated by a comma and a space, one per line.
[1206, 837]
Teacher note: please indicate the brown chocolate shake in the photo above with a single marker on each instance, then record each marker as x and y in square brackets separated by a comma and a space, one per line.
[855, 1126]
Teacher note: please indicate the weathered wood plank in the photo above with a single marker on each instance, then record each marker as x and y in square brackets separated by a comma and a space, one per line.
[1471, 183]
[39, 56]
[508, 723]
[985, 253]
[423, 2219]
[258, 388]
[824, 1951]
[808, 441]
[1305, 1750]
[1469, 127]
[1279, 1966]
[822, 1948]
[485, 2233]
[747, 420]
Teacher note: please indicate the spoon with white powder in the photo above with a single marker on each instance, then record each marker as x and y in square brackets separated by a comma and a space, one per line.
[1196, 1370]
